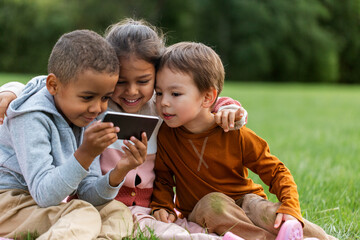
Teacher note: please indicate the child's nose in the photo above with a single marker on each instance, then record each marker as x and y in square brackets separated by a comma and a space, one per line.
[97, 107]
[132, 89]
[164, 101]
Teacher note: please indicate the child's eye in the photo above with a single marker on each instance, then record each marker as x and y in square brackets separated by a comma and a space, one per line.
[120, 82]
[158, 93]
[176, 94]
[143, 81]
[87, 98]
[105, 98]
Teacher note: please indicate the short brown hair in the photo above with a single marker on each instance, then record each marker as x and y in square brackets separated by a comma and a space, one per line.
[81, 50]
[136, 37]
[201, 62]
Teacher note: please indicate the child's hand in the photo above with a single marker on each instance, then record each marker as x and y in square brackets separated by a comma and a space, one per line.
[97, 137]
[282, 217]
[226, 118]
[135, 155]
[5, 99]
[164, 216]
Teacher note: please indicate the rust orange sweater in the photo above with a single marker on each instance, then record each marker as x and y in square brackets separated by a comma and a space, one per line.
[216, 161]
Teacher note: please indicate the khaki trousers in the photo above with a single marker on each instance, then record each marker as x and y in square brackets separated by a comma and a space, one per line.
[251, 217]
[77, 219]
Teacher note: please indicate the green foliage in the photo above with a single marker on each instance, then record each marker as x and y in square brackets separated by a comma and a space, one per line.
[30, 29]
[260, 40]
[263, 40]
[344, 23]
[27, 236]
[147, 234]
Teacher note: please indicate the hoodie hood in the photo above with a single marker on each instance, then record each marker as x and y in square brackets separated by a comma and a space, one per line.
[34, 97]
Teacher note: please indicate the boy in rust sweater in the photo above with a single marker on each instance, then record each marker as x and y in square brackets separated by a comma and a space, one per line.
[208, 166]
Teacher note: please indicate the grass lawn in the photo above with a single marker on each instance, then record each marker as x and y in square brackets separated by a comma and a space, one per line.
[315, 131]
[10, 77]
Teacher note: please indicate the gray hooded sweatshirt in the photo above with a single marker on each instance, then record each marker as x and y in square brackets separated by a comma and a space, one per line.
[37, 149]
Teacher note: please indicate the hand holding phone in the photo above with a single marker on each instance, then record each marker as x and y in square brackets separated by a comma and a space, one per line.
[132, 124]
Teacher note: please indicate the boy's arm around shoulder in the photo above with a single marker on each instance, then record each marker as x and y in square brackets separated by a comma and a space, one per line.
[163, 194]
[49, 177]
[257, 157]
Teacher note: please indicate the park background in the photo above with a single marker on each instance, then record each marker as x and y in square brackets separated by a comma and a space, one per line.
[291, 63]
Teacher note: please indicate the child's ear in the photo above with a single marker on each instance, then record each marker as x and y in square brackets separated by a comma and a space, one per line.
[52, 83]
[209, 98]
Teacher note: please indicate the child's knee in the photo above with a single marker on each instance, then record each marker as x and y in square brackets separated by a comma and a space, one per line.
[261, 211]
[254, 201]
[215, 203]
[115, 208]
[85, 209]
[117, 219]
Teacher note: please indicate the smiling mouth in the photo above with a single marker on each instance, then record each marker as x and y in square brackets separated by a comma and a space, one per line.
[131, 101]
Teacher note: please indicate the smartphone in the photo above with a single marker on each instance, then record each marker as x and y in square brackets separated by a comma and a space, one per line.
[132, 124]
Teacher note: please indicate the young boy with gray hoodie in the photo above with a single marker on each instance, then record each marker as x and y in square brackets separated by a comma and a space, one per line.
[46, 154]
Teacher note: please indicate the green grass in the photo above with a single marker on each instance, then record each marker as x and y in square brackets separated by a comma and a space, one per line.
[10, 77]
[315, 131]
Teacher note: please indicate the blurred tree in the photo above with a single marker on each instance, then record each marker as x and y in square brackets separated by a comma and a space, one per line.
[29, 30]
[278, 40]
[344, 23]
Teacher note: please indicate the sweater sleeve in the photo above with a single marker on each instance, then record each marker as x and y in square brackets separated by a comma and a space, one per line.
[163, 193]
[272, 171]
[48, 184]
[14, 87]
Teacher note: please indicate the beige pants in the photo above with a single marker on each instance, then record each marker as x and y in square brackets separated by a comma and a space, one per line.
[251, 217]
[77, 219]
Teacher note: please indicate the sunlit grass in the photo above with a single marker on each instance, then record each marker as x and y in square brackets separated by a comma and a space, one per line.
[10, 77]
[315, 131]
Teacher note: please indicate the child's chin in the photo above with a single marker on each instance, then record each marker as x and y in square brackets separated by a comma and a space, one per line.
[172, 125]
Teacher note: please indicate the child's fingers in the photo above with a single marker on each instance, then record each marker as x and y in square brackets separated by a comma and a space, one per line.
[224, 121]
[102, 138]
[171, 218]
[161, 215]
[239, 113]
[142, 146]
[137, 152]
[100, 126]
[288, 217]
[144, 139]
[102, 129]
[139, 146]
[278, 220]
[107, 139]
[231, 119]
[2, 114]
[5, 99]
[218, 118]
